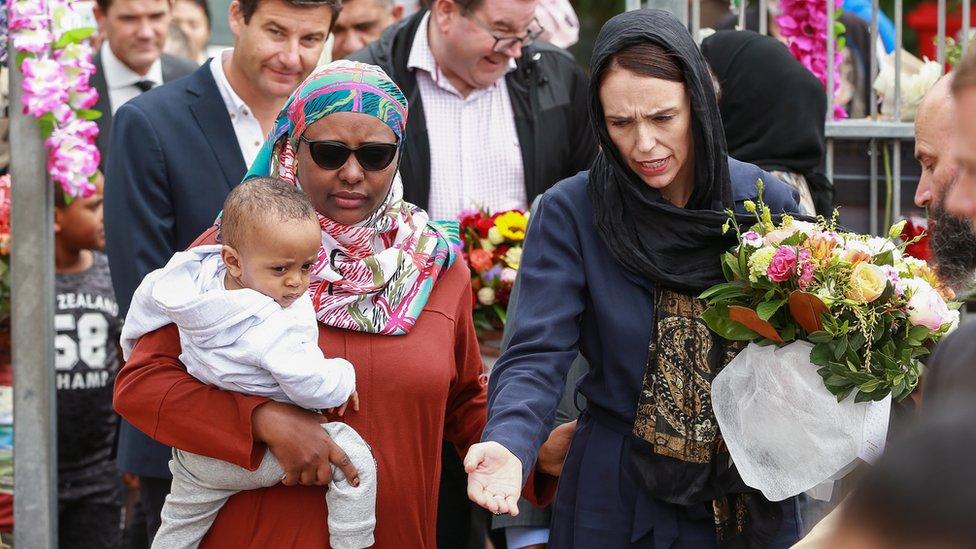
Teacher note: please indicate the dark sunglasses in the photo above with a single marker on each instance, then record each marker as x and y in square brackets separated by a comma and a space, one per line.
[332, 155]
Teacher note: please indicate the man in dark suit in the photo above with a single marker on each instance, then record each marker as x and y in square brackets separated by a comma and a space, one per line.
[131, 58]
[177, 151]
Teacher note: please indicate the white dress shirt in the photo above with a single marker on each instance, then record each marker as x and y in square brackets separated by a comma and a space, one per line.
[121, 80]
[246, 126]
[475, 158]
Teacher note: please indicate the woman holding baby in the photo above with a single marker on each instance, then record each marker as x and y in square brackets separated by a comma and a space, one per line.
[390, 297]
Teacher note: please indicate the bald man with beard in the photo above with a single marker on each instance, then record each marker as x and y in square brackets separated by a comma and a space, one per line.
[952, 240]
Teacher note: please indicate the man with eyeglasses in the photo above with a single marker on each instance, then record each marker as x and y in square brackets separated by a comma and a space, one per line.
[496, 118]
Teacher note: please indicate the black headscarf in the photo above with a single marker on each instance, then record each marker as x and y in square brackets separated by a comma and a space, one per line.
[643, 231]
[773, 108]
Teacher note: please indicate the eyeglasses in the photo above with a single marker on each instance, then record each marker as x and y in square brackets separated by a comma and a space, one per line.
[332, 155]
[505, 43]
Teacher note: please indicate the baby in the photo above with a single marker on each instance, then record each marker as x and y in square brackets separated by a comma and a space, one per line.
[247, 324]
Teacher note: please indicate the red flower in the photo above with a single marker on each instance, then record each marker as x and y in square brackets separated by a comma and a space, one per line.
[480, 260]
[917, 227]
[483, 225]
[470, 219]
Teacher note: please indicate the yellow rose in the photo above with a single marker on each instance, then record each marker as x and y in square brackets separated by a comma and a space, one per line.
[512, 225]
[867, 283]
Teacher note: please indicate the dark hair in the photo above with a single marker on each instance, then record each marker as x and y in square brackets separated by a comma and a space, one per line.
[260, 200]
[248, 7]
[202, 4]
[920, 493]
[104, 5]
[647, 59]
[965, 73]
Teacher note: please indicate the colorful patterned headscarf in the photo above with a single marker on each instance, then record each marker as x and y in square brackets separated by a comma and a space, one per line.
[374, 276]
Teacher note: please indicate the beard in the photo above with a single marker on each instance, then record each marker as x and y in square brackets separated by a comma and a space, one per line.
[953, 244]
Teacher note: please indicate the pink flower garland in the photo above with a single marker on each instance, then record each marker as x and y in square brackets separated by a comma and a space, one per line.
[804, 25]
[56, 60]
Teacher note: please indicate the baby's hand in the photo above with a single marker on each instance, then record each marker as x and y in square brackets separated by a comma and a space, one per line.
[354, 400]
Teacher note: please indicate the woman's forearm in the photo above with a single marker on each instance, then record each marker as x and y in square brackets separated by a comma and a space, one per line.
[154, 392]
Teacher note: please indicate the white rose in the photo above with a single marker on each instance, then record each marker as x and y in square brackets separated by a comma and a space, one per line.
[486, 244]
[486, 296]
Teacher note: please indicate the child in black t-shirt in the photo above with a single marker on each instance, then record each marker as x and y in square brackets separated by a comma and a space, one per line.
[87, 324]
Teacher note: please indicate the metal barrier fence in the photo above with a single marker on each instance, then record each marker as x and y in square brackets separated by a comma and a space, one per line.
[877, 131]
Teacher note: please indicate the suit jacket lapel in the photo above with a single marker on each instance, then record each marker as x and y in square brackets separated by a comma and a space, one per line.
[211, 115]
[104, 106]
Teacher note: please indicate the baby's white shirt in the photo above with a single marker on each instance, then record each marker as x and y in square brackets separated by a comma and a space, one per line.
[238, 340]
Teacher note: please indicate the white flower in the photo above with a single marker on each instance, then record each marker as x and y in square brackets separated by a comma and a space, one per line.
[508, 275]
[753, 239]
[878, 245]
[486, 296]
[495, 236]
[926, 307]
[487, 245]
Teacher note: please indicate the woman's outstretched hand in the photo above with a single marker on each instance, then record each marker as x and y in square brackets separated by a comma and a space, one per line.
[494, 477]
[297, 440]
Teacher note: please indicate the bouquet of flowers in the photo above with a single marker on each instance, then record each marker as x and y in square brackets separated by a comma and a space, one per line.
[822, 309]
[493, 249]
[4, 247]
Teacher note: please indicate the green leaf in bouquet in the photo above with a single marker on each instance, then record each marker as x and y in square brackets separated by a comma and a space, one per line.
[884, 258]
[819, 336]
[500, 311]
[794, 239]
[916, 335]
[821, 354]
[788, 333]
[862, 396]
[843, 393]
[869, 386]
[840, 347]
[837, 382]
[724, 291]
[920, 351]
[717, 319]
[857, 341]
[885, 296]
[730, 266]
[743, 263]
[860, 378]
[838, 368]
[767, 309]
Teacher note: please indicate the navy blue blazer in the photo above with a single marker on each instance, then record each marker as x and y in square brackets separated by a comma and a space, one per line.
[173, 158]
[575, 298]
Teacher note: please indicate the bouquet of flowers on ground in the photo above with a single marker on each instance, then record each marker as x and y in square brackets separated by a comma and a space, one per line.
[837, 323]
[493, 250]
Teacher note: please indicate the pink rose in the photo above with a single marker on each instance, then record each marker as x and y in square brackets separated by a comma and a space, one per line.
[783, 264]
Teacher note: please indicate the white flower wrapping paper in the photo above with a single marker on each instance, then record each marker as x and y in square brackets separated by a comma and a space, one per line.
[786, 433]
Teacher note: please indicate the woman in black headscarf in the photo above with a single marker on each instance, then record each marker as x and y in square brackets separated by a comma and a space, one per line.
[773, 110]
[613, 262]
